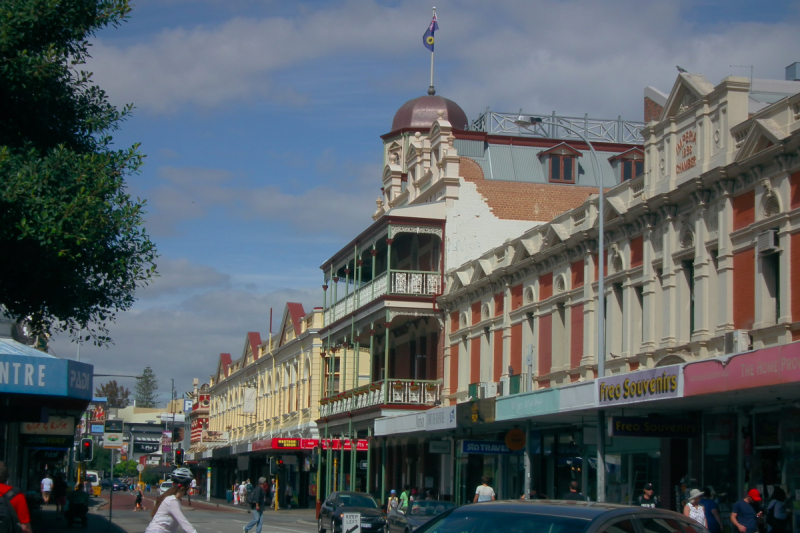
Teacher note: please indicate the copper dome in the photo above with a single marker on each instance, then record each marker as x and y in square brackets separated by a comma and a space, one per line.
[423, 111]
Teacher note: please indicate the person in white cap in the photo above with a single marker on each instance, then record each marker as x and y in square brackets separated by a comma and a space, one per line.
[693, 509]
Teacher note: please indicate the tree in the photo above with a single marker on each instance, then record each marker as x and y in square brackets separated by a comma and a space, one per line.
[126, 468]
[73, 235]
[101, 459]
[146, 387]
[117, 395]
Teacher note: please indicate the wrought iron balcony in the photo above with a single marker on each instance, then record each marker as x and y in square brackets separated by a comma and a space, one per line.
[400, 282]
[383, 392]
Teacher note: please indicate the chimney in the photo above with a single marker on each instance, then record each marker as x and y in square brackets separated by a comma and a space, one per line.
[793, 72]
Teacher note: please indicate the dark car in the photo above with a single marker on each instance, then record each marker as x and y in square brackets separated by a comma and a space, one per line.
[330, 513]
[554, 516]
[118, 484]
[418, 513]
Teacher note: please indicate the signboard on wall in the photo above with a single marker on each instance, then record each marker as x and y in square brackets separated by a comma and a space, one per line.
[671, 428]
[55, 425]
[634, 387]
[484, 447]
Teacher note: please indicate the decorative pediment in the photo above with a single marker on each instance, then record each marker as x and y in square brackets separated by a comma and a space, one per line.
[463, 277]
[763, 134]
[635, 154]
[687, 91]
[560, 149]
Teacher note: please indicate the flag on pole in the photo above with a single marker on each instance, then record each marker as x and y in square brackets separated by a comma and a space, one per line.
[427, 39]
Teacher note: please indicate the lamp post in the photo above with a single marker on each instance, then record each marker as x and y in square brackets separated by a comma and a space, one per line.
[527, 122]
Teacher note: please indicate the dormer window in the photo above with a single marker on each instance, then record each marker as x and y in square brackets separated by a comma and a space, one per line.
[628, 164]
[562, 163]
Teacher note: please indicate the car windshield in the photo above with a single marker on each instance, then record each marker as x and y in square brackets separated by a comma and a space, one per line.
[91, 477]
[503, 522]
[357, 500]
[430, 507]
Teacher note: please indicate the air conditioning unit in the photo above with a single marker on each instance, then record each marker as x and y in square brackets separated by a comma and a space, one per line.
[737, 341]
[767, 242]
[488, 389]
[503, 386]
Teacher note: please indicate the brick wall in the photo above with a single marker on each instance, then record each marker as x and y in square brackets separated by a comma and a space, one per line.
[637, 251]
[794, 187]
[516, 296]
[545, 344]
[545, 286]
[475, 360]
[476, 313]
[498, 355]
[576, 269]
[515, 357]
[744, 210]
[744, 282]
[454, 321]
[576, 336]
[498, 303]
[652, 111]
[514, 200]
[453, 368]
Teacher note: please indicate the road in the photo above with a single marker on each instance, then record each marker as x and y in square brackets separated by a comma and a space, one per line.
[208, 518]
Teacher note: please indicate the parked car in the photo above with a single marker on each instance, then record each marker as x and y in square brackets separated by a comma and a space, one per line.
[558, 516]
[330, 513]
[164, 487]
[118, 484]
[420, 512]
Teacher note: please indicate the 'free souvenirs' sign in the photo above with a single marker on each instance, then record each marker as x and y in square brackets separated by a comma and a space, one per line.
[671, 428]
[641, 386]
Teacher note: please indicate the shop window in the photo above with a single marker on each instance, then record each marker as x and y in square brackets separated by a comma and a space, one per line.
[660, 525]
[770, 266]
[562, 168]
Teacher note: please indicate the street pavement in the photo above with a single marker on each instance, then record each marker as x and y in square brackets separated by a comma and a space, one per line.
[216, 516]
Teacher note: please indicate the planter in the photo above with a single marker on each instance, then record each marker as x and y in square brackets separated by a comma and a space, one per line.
[414, 388]
[430, 388]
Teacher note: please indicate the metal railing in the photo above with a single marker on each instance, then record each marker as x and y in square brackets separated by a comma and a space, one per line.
[402, 282]
[383, 392]
[595, 130]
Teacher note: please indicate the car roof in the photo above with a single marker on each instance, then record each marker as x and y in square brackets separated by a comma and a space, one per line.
[562, 508]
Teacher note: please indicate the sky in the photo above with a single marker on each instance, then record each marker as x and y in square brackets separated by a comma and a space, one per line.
[261, 121]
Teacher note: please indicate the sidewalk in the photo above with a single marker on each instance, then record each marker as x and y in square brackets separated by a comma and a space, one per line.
[48, 521]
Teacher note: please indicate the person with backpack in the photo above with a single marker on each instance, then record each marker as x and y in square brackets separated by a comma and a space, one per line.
[777, 519]
[14, 515]
[258, 503]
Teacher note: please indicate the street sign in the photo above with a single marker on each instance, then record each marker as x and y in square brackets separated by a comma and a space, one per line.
[140, 467]
[351, 522]
[112, 434]
[362, 465]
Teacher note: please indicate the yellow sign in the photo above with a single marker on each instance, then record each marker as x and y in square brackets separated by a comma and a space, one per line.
[515, 439]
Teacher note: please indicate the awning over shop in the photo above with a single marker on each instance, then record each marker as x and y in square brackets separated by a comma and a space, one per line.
[24, 370]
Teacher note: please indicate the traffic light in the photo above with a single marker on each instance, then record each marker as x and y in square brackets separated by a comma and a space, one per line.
[179, 457]
[87, 449]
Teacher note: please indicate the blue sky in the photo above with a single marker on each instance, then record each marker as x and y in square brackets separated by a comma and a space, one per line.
[261, 122]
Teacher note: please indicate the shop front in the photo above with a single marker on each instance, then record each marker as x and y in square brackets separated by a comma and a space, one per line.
[42, 399]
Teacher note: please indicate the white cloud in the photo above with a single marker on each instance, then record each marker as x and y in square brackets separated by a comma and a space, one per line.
[178, 276]
[574, 57]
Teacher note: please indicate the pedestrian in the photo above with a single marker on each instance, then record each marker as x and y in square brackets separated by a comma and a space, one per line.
[776, 512]
[167, 514]
[78, 506]
[404, 496]
[258, 502]
[289, 494]
[648, 498]
[414, 495]
[19, 506]
[236, 493]
[394, 502]
[242, 493]
[431, 496]
[193, 487]
[693, 509]
[272, 500]
[47, 488]
[138, 502]
[574, 493]
[59, 493]
[711, 509]
[484, 493]
[744, 515]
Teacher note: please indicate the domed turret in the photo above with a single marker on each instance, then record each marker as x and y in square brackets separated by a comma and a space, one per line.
[420, 113]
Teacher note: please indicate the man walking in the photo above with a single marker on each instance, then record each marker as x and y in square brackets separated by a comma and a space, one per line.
[574, 494]
[744, 516]
[258, 502]
[648, 498]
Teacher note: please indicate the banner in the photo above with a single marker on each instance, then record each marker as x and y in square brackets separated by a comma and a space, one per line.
[55, 425]
[249, 401]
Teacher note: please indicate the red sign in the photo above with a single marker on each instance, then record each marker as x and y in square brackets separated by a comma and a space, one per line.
[306, 444]
[336, 444]
[770, 366]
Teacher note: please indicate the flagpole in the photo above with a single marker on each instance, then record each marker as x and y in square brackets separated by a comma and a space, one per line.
[431, 89]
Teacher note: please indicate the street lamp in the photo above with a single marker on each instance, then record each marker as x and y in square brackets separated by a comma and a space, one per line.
[527, 123]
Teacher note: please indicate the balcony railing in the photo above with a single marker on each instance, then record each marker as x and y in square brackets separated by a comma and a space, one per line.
[401, 282]
[393, 391]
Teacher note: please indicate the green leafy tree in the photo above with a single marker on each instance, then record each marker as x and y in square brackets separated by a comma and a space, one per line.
[117, 395]
[72, 236]
[126, 468]
[146, 387]
[101, 459]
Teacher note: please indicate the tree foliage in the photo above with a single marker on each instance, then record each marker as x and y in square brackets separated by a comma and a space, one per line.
[117, 395]
[101, 459]
[146, 388]
[71, 236]
[126, 468]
